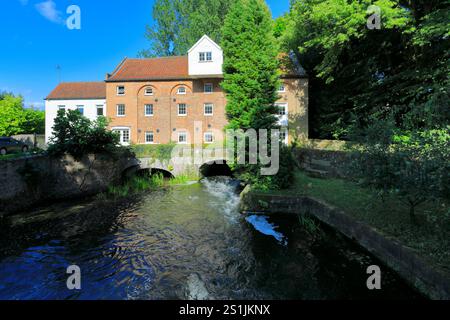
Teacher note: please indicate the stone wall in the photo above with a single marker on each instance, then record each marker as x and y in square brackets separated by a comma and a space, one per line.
[421, 274]
[323, 163]
[32, 140]
[31, 180]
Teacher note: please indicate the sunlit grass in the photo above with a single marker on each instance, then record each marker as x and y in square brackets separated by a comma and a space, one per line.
[387, 214]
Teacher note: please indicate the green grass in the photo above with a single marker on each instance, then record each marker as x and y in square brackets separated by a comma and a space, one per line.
[18, 155]
[137, 185]
[430, 238]
[133, 186]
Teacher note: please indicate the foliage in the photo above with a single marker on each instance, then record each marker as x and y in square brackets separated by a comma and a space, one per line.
[251, 79]
[282, 180]
[16, 119]
[415, 166]
[76, 135]
[251, 75]
[134, 185]
[162, 152]
[355, 72]
[181, 23]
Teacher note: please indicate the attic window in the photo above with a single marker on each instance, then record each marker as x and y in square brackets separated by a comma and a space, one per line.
[148, 91]
[181, 90]
[205, 56]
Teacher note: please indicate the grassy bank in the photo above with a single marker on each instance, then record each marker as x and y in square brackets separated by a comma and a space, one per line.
[430, 238]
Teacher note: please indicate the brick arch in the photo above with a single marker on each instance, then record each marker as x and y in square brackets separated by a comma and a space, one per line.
[140, 92]
[174, 89]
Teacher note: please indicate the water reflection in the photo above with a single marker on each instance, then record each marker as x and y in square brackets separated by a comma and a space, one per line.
[183, 243]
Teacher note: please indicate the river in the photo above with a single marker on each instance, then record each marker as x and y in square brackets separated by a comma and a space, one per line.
[186, 242]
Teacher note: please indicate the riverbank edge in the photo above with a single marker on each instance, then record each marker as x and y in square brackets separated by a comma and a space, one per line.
[421, 274]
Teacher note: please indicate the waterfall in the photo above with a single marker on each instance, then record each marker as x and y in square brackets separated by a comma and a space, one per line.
[224, 196]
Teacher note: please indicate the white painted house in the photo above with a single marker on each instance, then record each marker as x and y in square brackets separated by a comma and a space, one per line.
[87, 97]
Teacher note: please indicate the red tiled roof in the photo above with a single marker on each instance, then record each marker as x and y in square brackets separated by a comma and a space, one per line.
[151, 69]
[78, 90]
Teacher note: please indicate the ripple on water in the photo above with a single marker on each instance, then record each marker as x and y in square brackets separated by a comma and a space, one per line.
[185, 242]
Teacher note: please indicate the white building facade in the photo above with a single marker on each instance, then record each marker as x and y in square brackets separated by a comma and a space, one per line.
[88, 98]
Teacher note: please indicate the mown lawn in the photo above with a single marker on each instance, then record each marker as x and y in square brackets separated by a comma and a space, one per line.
[430, 238]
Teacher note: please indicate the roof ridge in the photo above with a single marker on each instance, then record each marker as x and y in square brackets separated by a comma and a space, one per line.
[155, 58]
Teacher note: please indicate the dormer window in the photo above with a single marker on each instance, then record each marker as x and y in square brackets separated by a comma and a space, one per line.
[205, 56]
[181, 90]
[120, 90]
[148, 91]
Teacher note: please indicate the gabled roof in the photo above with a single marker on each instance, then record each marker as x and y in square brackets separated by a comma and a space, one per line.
[205, 37]
[78, 90]
[290, 66]
[166, 68]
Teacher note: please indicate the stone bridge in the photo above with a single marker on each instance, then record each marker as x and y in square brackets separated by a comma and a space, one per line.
[197, 164]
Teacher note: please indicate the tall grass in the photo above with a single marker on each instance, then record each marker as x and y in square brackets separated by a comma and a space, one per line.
[134, 185]
[139, 184]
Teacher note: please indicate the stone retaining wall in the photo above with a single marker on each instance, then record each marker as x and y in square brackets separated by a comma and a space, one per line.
[27, 181]
[417, 271]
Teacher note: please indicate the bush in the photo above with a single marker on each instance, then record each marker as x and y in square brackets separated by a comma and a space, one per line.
[251, 174]
[415, 166]
[76, 135]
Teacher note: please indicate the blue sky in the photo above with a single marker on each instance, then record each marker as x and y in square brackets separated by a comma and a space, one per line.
[35, 40]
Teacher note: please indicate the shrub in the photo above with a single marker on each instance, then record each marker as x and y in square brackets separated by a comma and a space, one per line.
[282, 180]
[76, 135]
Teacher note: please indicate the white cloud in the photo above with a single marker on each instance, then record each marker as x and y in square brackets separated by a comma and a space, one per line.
[48, 10]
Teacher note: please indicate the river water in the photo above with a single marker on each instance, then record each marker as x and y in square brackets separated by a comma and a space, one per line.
[186, 242]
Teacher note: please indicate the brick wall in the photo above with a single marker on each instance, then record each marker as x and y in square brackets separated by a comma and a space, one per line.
[166, 124]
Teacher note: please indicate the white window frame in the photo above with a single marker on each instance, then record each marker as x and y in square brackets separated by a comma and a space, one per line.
[80, 107]
[118, 89]
[147, 133]
[282, 88]
[185, 108]
[182, 93]
[182, 133]
[148, 94]
[286, 108]
[103, 110]
[212, 110]
[212, 88]
[121, 131]
[124, 110]
[145, 110]
[203, 56]
[286, 138]
[212, 137]
[62, 107]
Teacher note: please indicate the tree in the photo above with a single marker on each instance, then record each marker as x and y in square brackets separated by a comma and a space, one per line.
[355, 72]
[251, 75]
[15, 119]
[179, 24]
[76, 135]
[251, 79]
[414, 166]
